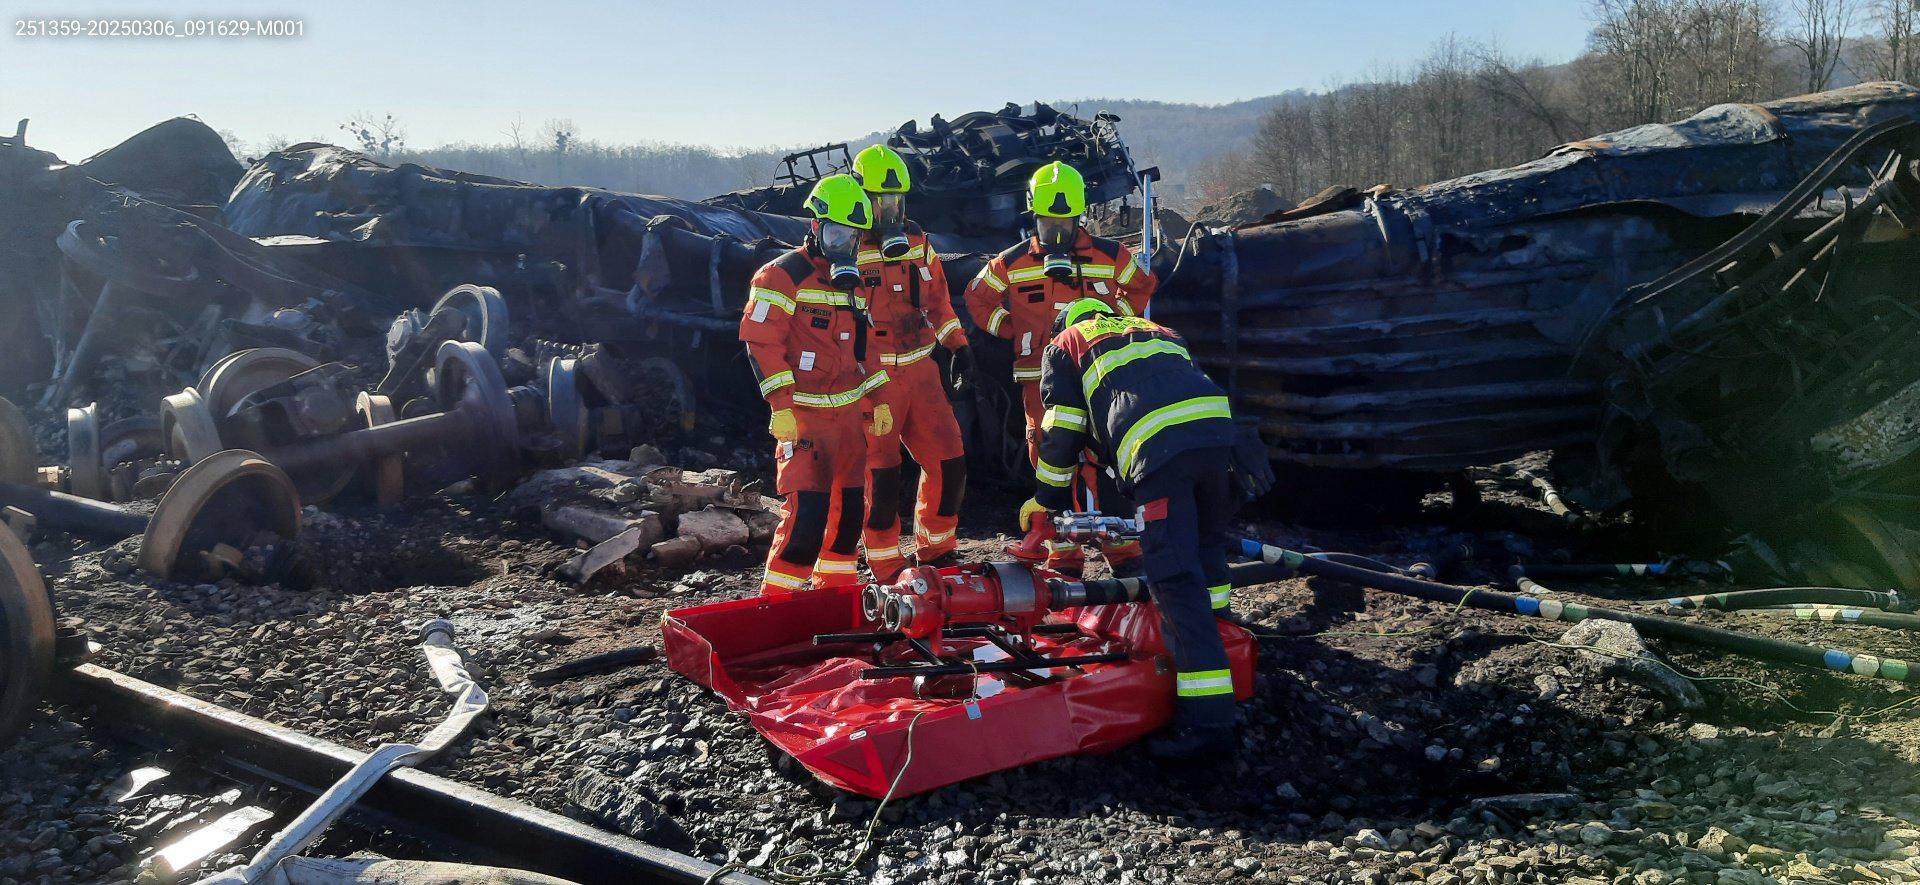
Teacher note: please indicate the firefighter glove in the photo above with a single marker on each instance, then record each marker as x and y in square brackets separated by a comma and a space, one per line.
[783, 427]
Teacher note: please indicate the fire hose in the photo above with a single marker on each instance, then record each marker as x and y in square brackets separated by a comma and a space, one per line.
[1835, 614]
[271, 866]
[1741, 599]
[1278, 563]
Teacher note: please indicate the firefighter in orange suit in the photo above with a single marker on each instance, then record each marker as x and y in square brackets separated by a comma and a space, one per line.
[1020, 293]
[912, 314]
[806, 331]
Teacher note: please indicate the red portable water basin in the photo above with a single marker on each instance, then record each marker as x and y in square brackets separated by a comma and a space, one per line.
[810, 701]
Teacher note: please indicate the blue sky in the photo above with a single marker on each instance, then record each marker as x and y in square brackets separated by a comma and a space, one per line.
[721, 73]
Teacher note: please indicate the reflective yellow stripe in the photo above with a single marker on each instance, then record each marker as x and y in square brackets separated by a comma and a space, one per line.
[1127, 271]
[776, 381]
[1114, 359]
[844, 398]
[781, 579]
[994, 319]
[993, 282]
[771, 297]
[952, 325]
[1064, 416]
[906, 359]
[873, 256]
[1032, 374]
[829, 297]
[1203, 683]
[1051, 475]
[1221, 595]
[1196, 409]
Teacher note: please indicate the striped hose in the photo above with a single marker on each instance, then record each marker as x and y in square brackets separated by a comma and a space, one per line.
[1277, 563]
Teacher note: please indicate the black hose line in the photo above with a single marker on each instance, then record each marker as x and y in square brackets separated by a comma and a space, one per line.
[1841, 615]
[1276, 563]
[1739, 599]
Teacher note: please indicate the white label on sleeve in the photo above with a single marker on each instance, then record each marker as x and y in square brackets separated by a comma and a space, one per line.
[897, 287]
[1099, 287]
[759, 311]
[845, 335]
[926, 273]
[806, 361]
[1026, 343]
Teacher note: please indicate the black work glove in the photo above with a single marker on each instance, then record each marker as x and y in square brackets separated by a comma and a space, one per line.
[960, 371]
[1252, 472]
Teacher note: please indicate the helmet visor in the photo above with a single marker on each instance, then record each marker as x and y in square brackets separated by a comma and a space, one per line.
[839, 242]
[1055, 233]
[889, 212]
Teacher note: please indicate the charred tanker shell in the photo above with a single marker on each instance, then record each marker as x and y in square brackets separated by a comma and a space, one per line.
[1435, 328]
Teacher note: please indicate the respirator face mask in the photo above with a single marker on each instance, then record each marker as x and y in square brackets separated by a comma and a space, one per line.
[841, 246]
[890, 224]
[1056, 241]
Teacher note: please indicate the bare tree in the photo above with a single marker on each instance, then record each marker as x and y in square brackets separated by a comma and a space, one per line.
[380, 137]
[1528, 88]
[519, 148]
[1892, 50]
[1819, 33]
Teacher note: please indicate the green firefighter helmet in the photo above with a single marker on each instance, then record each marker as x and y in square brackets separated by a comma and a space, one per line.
[841, 199]
[1081, 309]
[1057, 190]
[882, 170]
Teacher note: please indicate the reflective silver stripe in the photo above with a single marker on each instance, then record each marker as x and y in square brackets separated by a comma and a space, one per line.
[1221, 595]
[1127, 271]
[844, 398]
[771, 297]
[906, 359]
[952, 325]
[994, 319]
[1204, 683]
[1026, 274]
[1032, 374]
[1064, 416]
[936, 538]
[1097, 271]
[1051, 475]
[776, 381]
[993, 282]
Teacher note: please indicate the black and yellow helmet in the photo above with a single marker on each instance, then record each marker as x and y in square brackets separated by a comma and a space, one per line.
[840, 199]
[882, 170]
[1057, 190]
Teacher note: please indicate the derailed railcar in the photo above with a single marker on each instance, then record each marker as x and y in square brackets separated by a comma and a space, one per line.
[1435, 328]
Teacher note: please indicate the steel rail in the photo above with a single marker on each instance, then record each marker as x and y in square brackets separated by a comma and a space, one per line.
[471, 824]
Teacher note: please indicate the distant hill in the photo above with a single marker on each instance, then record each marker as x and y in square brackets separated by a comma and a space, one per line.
[1177, 137]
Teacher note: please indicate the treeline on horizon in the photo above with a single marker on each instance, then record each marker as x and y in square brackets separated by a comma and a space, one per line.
[1463, 107]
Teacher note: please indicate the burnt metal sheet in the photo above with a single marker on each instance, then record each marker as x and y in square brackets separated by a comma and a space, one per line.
[1436, 328]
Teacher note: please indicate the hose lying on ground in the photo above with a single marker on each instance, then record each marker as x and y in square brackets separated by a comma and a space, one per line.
[1814, 611]
[1739, 599]
[1277, 563]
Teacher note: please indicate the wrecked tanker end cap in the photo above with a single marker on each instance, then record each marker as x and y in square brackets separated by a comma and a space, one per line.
[1428, 330]
[1769, 382]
